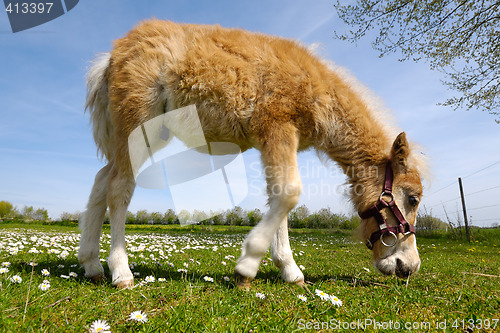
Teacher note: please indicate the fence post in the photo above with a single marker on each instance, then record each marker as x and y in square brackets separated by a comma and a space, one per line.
[464, 209]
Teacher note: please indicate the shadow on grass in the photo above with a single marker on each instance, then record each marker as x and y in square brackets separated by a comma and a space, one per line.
[61, 269]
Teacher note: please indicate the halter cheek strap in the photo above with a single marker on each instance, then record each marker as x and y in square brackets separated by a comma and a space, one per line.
[402, 227]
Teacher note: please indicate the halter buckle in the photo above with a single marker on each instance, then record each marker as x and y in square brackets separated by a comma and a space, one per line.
[386, 194]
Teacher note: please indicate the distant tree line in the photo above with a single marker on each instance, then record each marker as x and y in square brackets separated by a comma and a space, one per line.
[299, 217]
[27, 213]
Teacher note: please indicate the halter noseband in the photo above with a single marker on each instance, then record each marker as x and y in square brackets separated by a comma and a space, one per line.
[402, 227]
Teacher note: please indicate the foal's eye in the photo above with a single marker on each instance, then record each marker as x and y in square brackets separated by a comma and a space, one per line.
[413, 200]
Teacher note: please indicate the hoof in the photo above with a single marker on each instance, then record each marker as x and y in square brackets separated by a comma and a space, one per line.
[98, 279]
[127, 284]
[242, 282]
[300, 283]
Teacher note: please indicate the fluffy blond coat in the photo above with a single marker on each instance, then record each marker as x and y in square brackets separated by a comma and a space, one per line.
[250, 89]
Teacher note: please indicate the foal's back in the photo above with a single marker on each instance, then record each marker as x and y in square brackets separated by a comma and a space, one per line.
[242, 83]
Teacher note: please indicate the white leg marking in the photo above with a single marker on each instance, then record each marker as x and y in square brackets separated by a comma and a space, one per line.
[283, 257]
[91, 226]
[284, 187]
[120, 190]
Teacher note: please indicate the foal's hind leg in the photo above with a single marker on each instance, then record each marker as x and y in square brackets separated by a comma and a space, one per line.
[283, 257]
[279, 156]
[120, 189]
[91, 226]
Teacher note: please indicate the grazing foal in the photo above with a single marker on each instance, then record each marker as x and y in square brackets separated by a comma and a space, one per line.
[255, 91]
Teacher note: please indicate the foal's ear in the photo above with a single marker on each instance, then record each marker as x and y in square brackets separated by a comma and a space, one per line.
[400, 152]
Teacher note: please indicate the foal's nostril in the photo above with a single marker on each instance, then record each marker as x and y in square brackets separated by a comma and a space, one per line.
[401, 270]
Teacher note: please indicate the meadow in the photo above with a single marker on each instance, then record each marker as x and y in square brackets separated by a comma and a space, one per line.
[184, 283]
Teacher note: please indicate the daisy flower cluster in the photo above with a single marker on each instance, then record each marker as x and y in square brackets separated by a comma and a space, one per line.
[332, 298]
[102, 326]
[180, 253]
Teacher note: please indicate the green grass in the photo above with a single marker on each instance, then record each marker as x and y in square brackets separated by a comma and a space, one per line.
[452, 285]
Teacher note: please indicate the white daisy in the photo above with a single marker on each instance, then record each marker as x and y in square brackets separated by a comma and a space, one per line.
[335, 300]
[139, 316]
[63, 254]
[16, 279]
[260, 295]
[322, 294]
[302, 298]
[44, 286]
[100, 326]
[208, 279]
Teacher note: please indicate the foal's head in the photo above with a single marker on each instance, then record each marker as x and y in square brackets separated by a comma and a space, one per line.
[387, 224]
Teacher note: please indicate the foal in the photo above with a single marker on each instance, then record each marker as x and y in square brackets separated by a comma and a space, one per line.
[255, 91]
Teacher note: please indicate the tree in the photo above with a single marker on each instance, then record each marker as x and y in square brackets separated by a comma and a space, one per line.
[67, 216]
[7, 210]
[235, 216]
[142, 216]
[254, 217]
[428, 222]
[199, 215]
[458, 37]
[29, 213]
[170, 217]
[156, 218]
[297, 218]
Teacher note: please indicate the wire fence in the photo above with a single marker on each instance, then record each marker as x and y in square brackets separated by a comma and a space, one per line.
[482, 197]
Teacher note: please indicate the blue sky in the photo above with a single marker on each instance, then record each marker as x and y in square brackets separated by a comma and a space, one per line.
[48, 156]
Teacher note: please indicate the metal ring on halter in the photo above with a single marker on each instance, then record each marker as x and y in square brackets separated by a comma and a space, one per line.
[390, 233]
[385, 193]
[407, 233]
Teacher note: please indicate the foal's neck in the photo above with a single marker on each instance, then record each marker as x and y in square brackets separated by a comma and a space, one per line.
[358, 142]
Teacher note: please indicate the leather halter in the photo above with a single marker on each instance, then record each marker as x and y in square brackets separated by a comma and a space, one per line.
[402, 227]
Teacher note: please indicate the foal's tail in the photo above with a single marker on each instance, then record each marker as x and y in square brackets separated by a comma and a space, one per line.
[98, 103]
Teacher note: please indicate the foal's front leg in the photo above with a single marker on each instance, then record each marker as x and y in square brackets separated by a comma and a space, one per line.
[279, 156]
[283, 257]
[120, 190]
